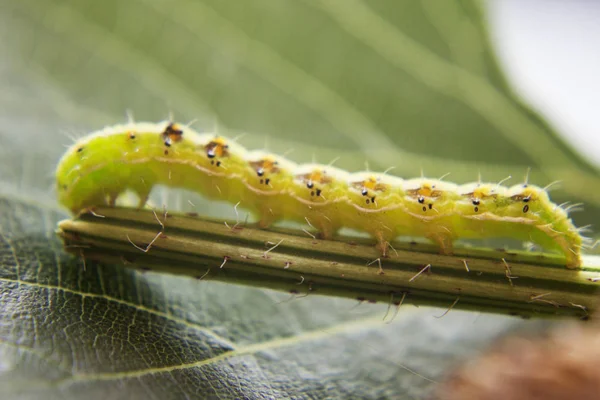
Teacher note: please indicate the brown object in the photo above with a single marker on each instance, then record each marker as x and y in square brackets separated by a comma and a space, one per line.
[563, 365]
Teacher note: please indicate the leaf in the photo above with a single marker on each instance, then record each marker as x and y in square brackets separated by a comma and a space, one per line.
[394, 83]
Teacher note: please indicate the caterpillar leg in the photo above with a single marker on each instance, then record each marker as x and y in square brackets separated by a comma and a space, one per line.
[143, 198]
[325, 226]
[444, 243]
[264, 222]
[266, 216]
[571, 252]
[112, 199]
[573, 259]
[327, 231]
[383, 244]
[569, 243]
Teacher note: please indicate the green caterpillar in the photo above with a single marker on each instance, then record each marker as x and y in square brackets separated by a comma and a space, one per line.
[137, 156]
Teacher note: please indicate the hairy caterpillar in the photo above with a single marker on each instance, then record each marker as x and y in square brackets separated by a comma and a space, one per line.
[137, 156]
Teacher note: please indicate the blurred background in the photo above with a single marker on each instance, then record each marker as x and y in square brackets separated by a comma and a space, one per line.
[548, 50]
[461, 87]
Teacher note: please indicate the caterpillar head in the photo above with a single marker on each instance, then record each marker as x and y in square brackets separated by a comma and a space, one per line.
[429, 197]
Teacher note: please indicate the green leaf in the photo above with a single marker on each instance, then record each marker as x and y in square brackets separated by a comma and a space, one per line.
[395, 83]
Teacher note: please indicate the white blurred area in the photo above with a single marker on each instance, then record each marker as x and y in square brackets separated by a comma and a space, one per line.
[550, 51]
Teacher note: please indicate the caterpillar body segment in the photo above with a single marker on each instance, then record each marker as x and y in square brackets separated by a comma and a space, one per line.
[318, 192]
[375, 204]
[431, 205]
[267, 181]
[138, 156]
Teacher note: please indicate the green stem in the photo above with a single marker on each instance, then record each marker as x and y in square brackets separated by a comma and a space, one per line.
[486, 280]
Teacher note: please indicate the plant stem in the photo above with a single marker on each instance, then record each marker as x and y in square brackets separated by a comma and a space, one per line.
[485, 280]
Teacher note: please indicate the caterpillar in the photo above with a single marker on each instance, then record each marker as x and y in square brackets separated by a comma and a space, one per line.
[137, 156]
